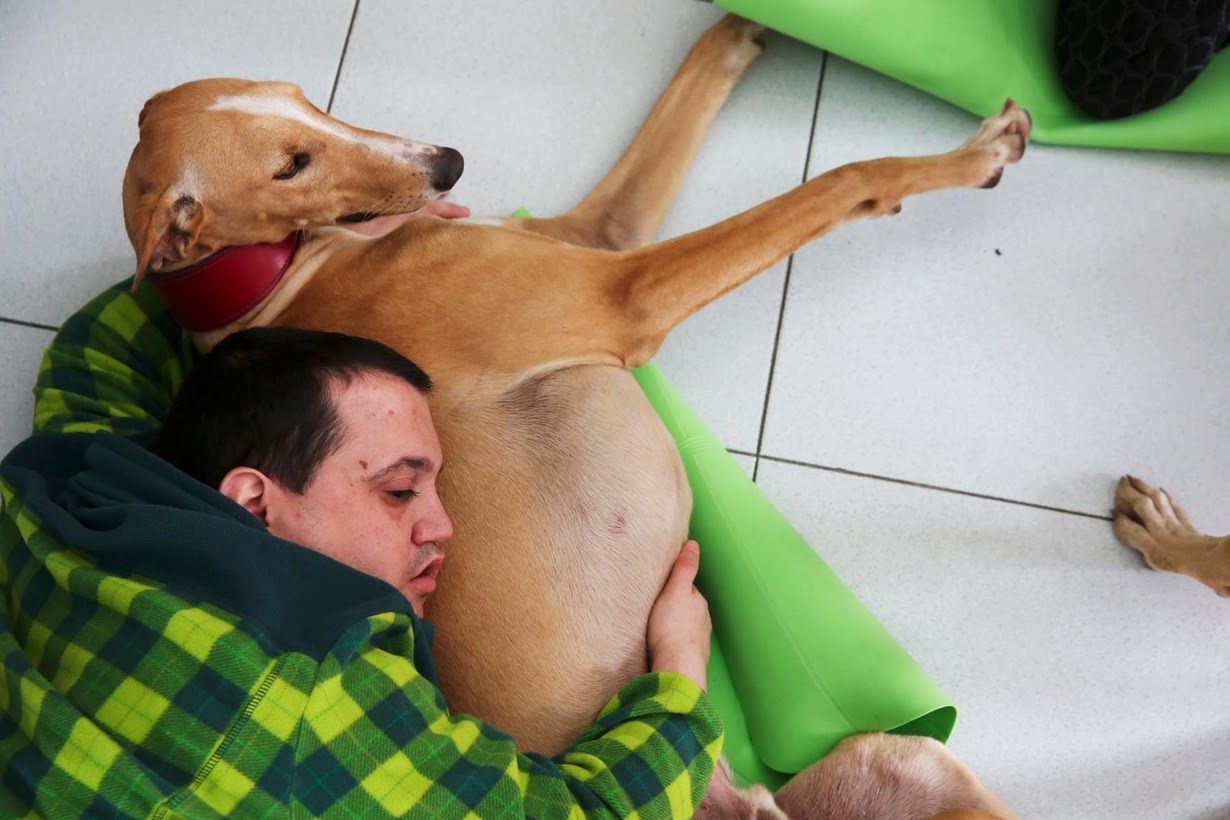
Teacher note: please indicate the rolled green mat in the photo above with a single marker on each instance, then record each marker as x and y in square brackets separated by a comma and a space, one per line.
[799, 662]
[977, 53]
[738, 749]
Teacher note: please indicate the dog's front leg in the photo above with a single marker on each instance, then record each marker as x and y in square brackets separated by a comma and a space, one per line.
[662, 284]
[626, 208]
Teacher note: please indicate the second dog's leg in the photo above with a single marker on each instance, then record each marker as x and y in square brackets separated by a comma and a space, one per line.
[1147, 520]
[627, 207]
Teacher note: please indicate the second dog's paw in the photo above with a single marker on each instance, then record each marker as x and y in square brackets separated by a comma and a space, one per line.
[1151, 508]
[1148, 520]
[1142, 515]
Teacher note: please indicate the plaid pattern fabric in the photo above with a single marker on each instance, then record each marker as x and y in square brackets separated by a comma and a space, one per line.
[124, 696]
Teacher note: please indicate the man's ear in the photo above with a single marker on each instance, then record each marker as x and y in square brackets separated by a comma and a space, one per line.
[166, 227]
[252, 490]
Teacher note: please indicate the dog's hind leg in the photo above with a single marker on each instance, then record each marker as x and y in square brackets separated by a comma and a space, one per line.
[1147, 520]
[866, 777]
[627, 207]
[870, 776]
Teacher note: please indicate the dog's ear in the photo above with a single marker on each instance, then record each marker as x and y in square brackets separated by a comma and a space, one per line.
[166, 228]
[149, 105]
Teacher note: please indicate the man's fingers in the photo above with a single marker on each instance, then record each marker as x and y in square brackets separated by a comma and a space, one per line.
[686, 565]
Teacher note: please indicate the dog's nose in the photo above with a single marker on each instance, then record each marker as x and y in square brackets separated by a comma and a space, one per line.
[449, 166]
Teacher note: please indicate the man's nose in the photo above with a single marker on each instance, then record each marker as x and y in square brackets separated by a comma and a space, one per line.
[436, 526]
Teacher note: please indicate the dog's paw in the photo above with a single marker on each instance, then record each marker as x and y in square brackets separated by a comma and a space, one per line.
[1000, 141]
[741, 41]
[1148, 521]
[1143, 515]
[751, 33]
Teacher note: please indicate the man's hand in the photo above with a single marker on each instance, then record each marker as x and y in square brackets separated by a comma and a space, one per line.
[679, 625]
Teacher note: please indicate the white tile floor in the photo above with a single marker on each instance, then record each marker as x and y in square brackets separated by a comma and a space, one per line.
[908, 349]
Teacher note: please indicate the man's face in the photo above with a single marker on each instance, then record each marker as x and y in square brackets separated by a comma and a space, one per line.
[372, 503]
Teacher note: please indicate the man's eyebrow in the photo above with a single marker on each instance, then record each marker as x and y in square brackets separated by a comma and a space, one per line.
[421, 463]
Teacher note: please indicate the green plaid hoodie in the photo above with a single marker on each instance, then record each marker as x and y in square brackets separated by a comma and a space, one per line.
[165, 656]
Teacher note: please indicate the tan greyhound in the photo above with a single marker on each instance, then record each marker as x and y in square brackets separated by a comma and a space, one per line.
[567, 494]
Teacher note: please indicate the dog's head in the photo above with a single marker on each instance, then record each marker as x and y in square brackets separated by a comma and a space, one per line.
[233, 162]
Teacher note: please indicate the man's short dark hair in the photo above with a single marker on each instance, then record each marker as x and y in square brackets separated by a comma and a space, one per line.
[262, 399]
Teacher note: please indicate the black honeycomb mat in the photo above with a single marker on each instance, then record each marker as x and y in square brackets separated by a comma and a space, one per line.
[1122, 57]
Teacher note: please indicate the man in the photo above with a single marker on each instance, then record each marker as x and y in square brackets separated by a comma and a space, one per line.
[173, 650]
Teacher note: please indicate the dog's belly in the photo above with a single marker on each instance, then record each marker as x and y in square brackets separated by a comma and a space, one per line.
[569, 504]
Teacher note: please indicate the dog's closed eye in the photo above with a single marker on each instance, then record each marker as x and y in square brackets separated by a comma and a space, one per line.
[299, 161]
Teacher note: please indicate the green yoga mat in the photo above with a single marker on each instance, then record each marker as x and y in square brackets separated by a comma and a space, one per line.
[977, 53]
[798, 662]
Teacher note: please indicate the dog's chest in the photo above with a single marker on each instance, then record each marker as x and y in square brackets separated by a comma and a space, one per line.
[580, 467]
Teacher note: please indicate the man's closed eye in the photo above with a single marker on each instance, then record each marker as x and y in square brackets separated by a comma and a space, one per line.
[402, 495]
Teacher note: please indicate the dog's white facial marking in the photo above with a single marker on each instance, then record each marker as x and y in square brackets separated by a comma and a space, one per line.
[262, 105]
[188, 184]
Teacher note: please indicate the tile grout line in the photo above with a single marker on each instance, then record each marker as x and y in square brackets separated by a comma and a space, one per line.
[781, 311]
[924, 486]
[22, 323]
[342, 60]
[760, 455]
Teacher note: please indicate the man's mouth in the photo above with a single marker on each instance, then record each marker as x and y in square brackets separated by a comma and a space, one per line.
[425, 582]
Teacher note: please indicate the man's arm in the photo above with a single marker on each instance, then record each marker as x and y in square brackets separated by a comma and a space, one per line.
[650, 753]
[389, 740]
[115, 365]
